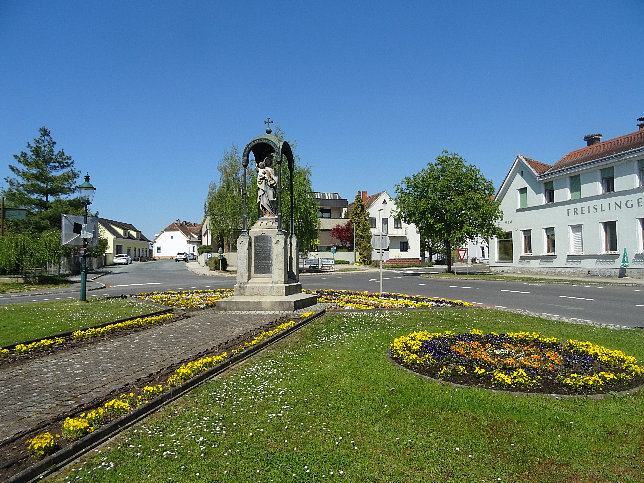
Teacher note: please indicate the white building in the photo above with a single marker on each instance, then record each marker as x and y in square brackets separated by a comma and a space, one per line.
[583, 214]
[404, 239]
[178, 236]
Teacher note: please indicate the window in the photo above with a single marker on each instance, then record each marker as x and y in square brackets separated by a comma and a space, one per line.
[641, 220]
[549, 192]
[404, 246]
[527, 241]
[372, 222]
[397, 224]
[158, 249]
[324, 213]
[608, 179]
[641, 172]
[504, 248]
[385, 225]
[576, 240]
[550, 240]
[523, 197]
[575, 187]
[609, 229]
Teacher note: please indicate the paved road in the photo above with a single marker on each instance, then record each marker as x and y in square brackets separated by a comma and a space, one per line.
[607, 304]
[612, 304]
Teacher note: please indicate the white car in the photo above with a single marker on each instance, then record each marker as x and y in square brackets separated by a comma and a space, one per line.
[122, 259]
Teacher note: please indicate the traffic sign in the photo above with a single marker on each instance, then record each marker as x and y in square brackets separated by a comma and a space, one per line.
[380, 241]
[462, 254]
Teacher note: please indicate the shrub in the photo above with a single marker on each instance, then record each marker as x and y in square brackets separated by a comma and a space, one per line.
[213, 263]
[342, 262]
[204, 249]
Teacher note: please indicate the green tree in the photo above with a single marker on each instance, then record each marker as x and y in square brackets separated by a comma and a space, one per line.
[449, 200]
[360, 220]
[224, 201]
[44, 179]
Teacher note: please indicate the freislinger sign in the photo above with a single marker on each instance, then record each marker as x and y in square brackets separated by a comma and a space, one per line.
[606, 206]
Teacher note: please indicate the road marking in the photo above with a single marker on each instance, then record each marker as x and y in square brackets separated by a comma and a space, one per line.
[574, 298]
[639, 305]
[137, 284]
[514, 291]
[421, 284]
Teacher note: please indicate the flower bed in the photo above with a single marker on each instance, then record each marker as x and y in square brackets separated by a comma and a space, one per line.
[347, 299]
[522, 361]
[187, 299]
[75, 428]
[85, 334]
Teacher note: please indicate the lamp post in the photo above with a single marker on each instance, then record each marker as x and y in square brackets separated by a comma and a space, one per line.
[381, 250]
[86, 194]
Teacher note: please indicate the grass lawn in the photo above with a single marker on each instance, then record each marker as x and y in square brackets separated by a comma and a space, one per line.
[50, 282]
[326, 403]
[23, 322]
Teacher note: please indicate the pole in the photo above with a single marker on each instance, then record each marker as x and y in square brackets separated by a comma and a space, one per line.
[2, 219]
[354, 243]
[83, 295]
[381, 251]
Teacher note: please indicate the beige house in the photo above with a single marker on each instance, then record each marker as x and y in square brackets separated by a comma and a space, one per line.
[123, 238]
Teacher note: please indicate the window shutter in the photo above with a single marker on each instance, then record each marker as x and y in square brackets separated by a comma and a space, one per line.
[576, 240]
[575, 187]
[608, 172]
[549, 185]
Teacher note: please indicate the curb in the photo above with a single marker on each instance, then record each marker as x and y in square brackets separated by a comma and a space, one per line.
[62, 458]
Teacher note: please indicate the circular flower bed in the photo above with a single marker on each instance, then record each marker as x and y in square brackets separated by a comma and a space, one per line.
[521, 361]
[347, 299]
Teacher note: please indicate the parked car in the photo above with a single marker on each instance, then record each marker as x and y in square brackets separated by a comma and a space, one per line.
[122, 259]
[192, 256]
[181, 257]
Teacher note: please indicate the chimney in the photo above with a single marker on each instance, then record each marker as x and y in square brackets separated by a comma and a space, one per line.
[364, 196]
[592, 139]
[641, 123]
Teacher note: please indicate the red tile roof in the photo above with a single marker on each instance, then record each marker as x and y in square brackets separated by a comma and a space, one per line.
[189, 229]
[538, 166]
[601, 150]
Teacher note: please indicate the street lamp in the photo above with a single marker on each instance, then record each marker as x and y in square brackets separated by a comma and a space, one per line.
[86, 194]
[381, 250]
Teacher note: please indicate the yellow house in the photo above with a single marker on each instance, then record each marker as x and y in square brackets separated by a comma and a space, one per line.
[123, 238]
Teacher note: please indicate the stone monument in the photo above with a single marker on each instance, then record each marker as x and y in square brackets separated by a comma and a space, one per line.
[267, 259]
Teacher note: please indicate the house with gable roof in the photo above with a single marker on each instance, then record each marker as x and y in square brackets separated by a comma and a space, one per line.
[404, 239]
[123, 238]
[583, 214]
[179, 236]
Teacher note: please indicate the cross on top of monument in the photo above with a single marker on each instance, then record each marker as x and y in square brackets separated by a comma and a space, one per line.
[268, 123]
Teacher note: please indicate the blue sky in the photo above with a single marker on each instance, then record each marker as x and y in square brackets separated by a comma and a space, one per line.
[146, 96]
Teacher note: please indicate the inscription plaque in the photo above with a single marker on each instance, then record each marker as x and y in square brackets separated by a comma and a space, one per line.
[262, 254]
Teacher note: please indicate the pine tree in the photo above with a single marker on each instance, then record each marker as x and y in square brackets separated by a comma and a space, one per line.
[43, 183]
[360, 219]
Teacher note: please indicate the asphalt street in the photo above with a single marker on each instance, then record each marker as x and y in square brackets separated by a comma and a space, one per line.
[609, 302]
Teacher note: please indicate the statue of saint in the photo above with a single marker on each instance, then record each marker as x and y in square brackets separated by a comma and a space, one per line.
[266, 183]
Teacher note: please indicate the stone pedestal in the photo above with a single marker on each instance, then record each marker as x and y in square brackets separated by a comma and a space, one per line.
[263, 281]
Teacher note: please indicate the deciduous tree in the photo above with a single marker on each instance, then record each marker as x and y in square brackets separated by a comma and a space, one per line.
[343, 233]
[449, 200]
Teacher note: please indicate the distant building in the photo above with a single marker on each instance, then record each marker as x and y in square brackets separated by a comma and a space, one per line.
[123, 238]
[582, 214]
[178, 236]
[404, 239]
[332, 212]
